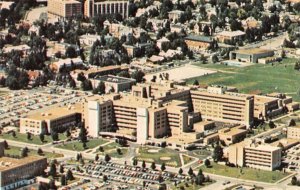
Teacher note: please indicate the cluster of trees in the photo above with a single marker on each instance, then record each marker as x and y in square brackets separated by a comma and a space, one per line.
[295, 181]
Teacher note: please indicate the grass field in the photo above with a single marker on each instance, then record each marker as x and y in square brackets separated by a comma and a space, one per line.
[16, 151]
[34, 139]
[281, 77]
[157, 157]
[187, 159]
[111, 150]
[245, 173]
[201, 154]
[78, 146]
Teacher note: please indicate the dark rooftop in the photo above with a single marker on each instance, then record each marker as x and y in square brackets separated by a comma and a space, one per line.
[199, 38]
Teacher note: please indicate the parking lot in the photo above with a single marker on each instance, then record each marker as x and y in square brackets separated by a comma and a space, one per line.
[17, 104]
[134, 175]
[292, 158]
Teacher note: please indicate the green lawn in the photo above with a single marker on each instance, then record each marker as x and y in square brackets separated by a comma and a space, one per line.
[111, 150]
[264, 78]
[16, 151]
[189, 186]
[78, 146]
[201, 154]
[187, 159]
[34, 139]
[172, 156]
[245, 173]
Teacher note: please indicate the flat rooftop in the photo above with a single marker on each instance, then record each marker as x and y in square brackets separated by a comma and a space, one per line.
[114, 79]
[7, 163]
[253, 51]
[56, 112]
[100, 69]
[263, 147]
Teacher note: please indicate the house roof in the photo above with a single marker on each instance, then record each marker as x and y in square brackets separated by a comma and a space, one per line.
[231, 33]
[199, 38]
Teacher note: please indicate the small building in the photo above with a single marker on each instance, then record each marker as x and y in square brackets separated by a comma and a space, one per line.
[99, 71]
[59, 118]
[196, 43]
[114, 83]
[16, 173]
[250, 55]
[229, 36]
[89, 39]
[20, 48]
[175, 15]
[68, 63]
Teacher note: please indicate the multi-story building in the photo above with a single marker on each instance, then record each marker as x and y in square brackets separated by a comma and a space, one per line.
[101, 7]
[113, 83]
[64, 8]
[265, 157]
[198, 43]
[58, 118]
[215, 103]
[293, 132]
[15, 173]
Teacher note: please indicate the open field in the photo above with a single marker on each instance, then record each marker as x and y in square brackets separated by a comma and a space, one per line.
[245, 173]
[182, 73]
[281, 77]
[159, 156]
[111, 150]
[16, 151]
[189, 185]
[34, 139]
[78, 146]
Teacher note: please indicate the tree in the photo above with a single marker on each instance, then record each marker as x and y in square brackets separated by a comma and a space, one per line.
[40, 151]
[180, 171]
[86, 85]
[143, 164]
[83, 134]
[292, 123]
[71, 52]
[196, 82]
[5, 144]
[78, 156]
[61, 169]
[100, 88]
[52, 170]
[72, 83]
[13, 133]
[217, 153]
[138, 76]
[207, 163]
[96, 157]
[214, 58]
[69, 175]
[63, 180]
[54, 135]
[153, 166]
[105, 178]
[24, 152]
[191, 172]
[107, 158]
[119, 151]
[124, 74]
[200, 178]
[294, 180]
[101, 149]
[272, 125]
[135, 162]
[42, 137]
[163, 167]
[28, 136]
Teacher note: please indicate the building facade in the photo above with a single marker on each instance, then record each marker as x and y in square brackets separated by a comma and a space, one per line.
[216, 104]
[64, 8]
[293, 132]
[58, 118]
[264, 157]
[15, 173]
[101, 7]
